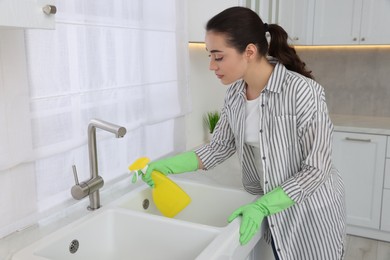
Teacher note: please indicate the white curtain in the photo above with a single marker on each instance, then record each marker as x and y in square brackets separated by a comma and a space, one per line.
[122, 61]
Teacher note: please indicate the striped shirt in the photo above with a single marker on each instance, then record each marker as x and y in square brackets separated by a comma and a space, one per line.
[295, 149]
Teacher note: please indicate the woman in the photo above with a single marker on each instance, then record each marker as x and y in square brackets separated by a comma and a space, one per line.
[276, 119]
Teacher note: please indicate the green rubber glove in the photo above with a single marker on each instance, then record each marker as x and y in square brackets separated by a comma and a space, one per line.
[184, 162]
[254, 213]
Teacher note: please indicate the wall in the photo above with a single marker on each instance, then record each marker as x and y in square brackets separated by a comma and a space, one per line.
[17, 208]
[207, 94]
[356, 82]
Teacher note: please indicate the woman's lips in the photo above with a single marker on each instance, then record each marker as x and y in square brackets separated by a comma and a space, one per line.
[219, 76]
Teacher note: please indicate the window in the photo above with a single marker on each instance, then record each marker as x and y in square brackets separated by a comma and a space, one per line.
[124, 62]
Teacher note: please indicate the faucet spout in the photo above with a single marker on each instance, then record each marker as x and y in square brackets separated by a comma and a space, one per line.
[92, 186]
[119, 132]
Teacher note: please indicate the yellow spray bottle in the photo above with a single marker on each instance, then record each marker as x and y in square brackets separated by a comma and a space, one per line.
[168, 197]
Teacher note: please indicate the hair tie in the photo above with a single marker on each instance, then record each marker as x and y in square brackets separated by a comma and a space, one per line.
[266, 27]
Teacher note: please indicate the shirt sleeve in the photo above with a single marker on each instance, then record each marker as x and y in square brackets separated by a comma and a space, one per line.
[222, 145]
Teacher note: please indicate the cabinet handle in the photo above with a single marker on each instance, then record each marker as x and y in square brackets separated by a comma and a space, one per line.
[363, 39]
[49, 9]
[296, 38]
[354, 39]
[357, 139]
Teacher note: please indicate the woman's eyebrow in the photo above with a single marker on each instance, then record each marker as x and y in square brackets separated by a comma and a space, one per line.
[213, 51]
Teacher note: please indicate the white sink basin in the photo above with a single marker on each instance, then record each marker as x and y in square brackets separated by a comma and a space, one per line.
[124, 230]
[122, 234]
[210, 205]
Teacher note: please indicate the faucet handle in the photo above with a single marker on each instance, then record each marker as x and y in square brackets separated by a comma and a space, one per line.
[79, 191]
[76, 179]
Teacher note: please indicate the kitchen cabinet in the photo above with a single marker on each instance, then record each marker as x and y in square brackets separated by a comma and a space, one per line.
[351, 22]
[308, 22]
[385, 223]
[297, 18]
[386, 184]
[264, 8]
[200, 11]
[27, 14]
[360, 158]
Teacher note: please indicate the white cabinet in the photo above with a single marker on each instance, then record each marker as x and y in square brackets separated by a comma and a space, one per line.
[386, 183]
[360, 159]
[264, 8]
[200, 11]
[308, 22]
[351, 22]
[27, 14]
[375, 22]
[297, 18]
[385, 224]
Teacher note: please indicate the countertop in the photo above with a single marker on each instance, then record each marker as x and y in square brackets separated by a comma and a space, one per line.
[361, 124]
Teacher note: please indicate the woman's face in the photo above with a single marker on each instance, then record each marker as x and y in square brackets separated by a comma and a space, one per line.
[226, 62]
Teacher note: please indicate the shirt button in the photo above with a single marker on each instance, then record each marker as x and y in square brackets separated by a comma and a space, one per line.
[261, 130]
[264, 158]
[262, 105]
[266, 182]
[278, 249]
[272, 225]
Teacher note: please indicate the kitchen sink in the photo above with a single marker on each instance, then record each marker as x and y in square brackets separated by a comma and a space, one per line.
[210, 205]
[131, 227]
[121, 234]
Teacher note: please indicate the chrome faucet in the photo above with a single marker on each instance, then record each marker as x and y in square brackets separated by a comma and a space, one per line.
[91, 187]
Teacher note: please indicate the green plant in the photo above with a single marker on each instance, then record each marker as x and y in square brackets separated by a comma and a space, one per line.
[211, 120]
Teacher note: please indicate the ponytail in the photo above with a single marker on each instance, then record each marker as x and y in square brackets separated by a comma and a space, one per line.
[280, 49]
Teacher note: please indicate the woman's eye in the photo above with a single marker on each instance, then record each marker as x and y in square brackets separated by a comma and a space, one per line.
[215, 58]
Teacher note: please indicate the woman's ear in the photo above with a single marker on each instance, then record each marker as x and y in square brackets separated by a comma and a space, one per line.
[251, 51]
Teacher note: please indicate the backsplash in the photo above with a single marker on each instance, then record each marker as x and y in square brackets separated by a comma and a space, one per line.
[356, 80]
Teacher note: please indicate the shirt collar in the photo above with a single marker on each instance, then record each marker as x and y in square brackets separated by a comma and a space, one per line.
[275, 82]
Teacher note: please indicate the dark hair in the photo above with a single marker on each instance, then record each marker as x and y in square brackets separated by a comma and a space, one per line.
[243, 26]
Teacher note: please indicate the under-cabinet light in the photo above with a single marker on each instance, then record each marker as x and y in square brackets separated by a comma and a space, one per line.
[313, 47]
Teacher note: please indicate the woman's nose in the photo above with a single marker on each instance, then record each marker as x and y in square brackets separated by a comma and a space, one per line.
[213, 65]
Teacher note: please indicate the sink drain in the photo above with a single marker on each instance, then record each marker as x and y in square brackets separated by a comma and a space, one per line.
[74, 246]
[145, 204]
